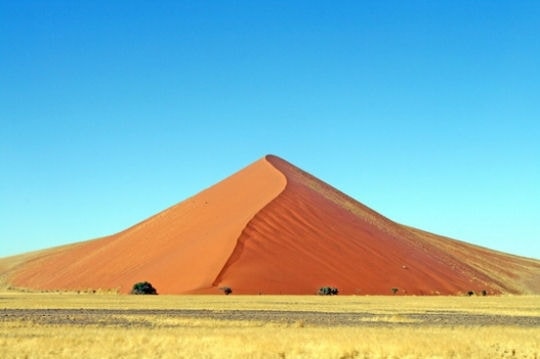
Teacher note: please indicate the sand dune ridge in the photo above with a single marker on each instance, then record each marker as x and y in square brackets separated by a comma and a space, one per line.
[272, 228]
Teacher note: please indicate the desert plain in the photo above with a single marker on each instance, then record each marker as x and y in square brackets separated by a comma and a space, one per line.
[108, 325]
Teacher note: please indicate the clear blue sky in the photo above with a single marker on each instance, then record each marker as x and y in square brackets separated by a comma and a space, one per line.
[426, 111]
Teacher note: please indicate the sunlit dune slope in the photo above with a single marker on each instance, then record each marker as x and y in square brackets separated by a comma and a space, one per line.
[180, 249]
[273, 228]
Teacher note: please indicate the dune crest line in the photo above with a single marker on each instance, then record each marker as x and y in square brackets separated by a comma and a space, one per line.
[238, 248]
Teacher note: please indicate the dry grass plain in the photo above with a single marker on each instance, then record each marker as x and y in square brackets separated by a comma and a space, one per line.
[63, 325]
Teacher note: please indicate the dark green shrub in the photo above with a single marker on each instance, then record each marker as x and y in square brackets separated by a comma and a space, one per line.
[143, 288]
[328, 291]
[226, 290]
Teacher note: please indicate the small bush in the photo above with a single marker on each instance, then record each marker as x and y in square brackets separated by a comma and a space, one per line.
[395, 290]
[328, 291]
[484, 293]
[470, 293]
[226, 290]
[143, 288]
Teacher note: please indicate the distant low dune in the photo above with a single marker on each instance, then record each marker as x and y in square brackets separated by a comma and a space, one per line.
[272, 228]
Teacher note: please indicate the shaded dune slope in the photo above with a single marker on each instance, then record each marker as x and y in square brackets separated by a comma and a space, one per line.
[312, 235]
[272, 228]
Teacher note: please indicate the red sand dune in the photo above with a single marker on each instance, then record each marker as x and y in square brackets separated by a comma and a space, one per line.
[272, 228]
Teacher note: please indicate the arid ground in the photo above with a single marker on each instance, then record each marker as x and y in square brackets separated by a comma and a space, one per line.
[64, 325]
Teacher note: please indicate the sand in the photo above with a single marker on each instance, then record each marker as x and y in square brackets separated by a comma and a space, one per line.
[178, 250]
[312, 235]
[274, 229]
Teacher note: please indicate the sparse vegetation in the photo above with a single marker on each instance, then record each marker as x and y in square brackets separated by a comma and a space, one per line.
[395, 290]
[143, 288]
[226, 290]
[328, 291]
[470, 293]
[404, 326]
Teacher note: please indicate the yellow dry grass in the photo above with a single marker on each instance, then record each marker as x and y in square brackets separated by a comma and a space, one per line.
[152, 327]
